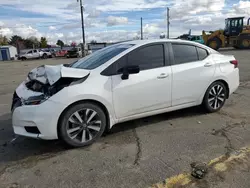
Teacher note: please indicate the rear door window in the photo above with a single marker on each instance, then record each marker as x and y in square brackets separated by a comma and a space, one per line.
[184, 53]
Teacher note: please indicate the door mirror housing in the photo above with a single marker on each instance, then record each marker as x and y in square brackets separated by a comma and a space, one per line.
[126, 71]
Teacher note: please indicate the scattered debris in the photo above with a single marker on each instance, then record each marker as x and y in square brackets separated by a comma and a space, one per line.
[198, 122]
[223, 164]
[13, 185]
[13, 140]
[199, 170]
[38, 173]
[5, 144]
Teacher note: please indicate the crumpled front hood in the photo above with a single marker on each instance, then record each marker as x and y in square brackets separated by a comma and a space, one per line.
[50, 74]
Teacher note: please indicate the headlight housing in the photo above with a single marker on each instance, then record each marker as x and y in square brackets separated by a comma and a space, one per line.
[35, 100]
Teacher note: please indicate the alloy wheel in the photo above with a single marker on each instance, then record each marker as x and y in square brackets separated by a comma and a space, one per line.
[216, 97]
[83, 125]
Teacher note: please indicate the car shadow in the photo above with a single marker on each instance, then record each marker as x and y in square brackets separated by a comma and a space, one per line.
[188, 112]
[23, 148]
[14, 148]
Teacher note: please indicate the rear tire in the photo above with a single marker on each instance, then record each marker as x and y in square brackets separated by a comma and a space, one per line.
[214, 43]
[82, 124]
[215, 97]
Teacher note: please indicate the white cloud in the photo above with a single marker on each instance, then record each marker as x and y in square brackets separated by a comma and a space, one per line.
[182, 8]
[59, 35]
[94, 13]
[129, 5]
[112, 20]
[1, 24]
[151, 29]
[52, 28]
[242, 7]
[6, 32]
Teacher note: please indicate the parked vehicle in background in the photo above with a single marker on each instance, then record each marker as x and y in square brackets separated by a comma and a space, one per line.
[61, 53]
[119, 83]
[74, 52]
[196, 38]
[34, 54]
[51, 52]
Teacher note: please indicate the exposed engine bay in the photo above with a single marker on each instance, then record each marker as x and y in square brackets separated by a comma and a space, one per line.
[45, 81]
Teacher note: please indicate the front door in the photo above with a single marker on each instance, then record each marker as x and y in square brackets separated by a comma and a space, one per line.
[29, 54]
[193, 70]
[146, 91]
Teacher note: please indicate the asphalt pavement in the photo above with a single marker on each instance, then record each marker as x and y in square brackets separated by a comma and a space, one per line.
[138, 153]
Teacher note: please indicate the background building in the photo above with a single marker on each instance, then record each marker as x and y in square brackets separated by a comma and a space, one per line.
[8, 53]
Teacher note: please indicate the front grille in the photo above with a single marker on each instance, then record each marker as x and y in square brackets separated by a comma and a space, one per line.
[33, 130]
[16, 102]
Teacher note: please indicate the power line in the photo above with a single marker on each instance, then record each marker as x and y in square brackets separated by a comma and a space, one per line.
[141, 30]
[168, 23]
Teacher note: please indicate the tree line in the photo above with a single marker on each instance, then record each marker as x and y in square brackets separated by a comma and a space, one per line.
[28, 43]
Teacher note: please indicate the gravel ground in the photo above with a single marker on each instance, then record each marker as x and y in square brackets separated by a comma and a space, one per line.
[135, 154]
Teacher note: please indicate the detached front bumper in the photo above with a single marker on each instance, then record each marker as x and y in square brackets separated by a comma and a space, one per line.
[37, 121]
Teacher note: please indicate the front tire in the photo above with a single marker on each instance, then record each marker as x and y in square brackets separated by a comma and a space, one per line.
[82, 124]
[45, 56]
[215, 97]
[23, 58]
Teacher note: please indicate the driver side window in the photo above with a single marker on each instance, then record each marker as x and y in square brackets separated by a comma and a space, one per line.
[148, 57]
[30, 52]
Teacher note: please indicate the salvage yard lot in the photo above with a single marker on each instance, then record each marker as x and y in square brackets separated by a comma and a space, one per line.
[135, 154]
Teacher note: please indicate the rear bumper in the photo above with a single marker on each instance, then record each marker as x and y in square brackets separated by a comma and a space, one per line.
[234, 81]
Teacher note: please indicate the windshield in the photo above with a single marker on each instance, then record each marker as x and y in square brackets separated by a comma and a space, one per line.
[100, 57]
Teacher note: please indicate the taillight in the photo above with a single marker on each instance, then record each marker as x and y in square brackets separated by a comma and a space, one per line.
[235, 63]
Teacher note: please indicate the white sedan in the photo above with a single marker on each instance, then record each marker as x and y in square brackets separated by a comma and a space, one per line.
[77, 102]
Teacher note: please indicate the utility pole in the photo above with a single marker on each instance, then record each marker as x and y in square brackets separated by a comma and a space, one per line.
[168, 23]
[83, 32]
[141, 30]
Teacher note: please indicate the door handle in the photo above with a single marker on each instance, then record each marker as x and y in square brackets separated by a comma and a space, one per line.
[162, 76]
[208, 65]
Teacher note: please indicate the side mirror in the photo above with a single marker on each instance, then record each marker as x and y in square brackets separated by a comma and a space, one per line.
[126, 71]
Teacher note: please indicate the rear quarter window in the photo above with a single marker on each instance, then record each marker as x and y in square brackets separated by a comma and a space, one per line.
[202, 53]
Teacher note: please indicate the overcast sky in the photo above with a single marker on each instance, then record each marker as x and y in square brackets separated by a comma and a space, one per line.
[114, 20]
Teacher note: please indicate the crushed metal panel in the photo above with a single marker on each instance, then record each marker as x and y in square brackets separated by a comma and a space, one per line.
[69, 72]
[24, 93]
[53, 73]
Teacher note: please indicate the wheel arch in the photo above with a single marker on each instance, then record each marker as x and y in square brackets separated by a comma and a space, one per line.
[216, 80]
[98, 103]
[226, 84]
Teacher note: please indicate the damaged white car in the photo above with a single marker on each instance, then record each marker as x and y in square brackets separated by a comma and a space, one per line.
[78, 102]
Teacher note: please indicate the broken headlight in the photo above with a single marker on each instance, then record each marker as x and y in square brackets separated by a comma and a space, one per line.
[35, 100]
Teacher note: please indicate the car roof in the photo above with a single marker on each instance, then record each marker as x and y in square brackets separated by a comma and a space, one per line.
[149, 41]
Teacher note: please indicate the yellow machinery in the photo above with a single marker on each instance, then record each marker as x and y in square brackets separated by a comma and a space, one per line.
[235, 35]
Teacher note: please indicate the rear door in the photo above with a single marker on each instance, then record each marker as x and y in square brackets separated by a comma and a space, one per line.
[193, 69]
[148, 90]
